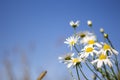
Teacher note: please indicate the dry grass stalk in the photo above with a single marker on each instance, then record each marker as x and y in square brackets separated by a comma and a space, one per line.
[42, 75]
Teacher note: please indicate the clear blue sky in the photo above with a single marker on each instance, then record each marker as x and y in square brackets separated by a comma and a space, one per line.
[44, 24]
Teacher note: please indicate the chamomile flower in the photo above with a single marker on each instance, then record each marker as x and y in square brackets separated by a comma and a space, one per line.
[85, 36]
[94, 43]
[73, 62]
[66, 57]
[107, 47]
[74, 24]
[102, 59]
[89, 50]
[71, 41]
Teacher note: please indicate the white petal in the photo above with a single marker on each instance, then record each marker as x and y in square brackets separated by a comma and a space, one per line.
[93, 62]
[72, 54]
[114, 51]
[99, 64]
[91, 54]
[77, 22]
[110, 51]
[71, 23]
[105, 61]
[69, 65]
[98, 45]
[109, 63]
[96, 52]
[86, 54]
[60, 57]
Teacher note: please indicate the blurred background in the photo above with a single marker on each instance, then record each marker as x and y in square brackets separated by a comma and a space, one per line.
[32, 34]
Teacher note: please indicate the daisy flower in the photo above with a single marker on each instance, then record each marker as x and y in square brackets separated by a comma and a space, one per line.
[89, 50]
[108, 48]
[71, 41]
[66, 57]
[94, 43]
[73, 62]
[85, 36]
[103, 59]
[74, 24]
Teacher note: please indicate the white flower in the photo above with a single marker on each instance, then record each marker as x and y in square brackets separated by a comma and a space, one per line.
[66, 57]
[94, 43]
[89, 22]
[71, 41]
[73, 62]
[85, 36]
[88, 50]
[74, 24]
[108, 48]
[103, 59]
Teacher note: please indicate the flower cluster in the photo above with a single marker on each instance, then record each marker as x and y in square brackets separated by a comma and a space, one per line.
[87, 50]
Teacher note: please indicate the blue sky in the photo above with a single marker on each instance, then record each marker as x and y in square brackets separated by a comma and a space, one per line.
[44, 25]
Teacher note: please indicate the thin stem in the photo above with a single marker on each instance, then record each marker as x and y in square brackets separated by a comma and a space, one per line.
[76, 48]
[77, 73]
[99, 71]
[107, 74]
[92, 70]
[82, 73]
[75, 31]
[71, 74]
[114, 73]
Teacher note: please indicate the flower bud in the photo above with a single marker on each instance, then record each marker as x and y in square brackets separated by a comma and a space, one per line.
[101, 30]
[89, 23]
[105, 35]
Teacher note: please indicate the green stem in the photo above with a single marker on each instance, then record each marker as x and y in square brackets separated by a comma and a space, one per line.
[114, 73]
[107, 74]
[77, 73]
[76, 48]
[92, 70]
[71, 74]
[98, 71]
[82, 73]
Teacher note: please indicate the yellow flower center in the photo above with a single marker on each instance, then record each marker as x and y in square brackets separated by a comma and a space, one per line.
[75, 60]
[102, 56]
[91, 42]
[72, 43]
[106, 47]
[89, 49]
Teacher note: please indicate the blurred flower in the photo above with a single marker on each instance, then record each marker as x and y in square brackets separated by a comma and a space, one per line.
[66, 57]
[101, 30]
[71, 41]
[94, 43]
[86, 36]
[83, 34]
[73, 62]
[103, 59]
[105, 35]
[89, 22]
[74, 24]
